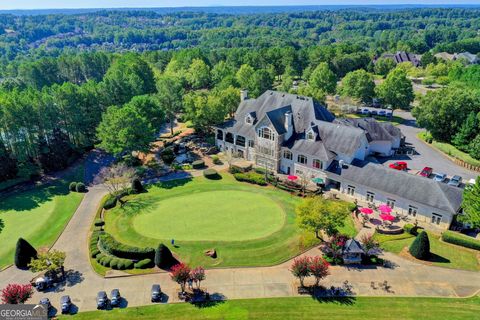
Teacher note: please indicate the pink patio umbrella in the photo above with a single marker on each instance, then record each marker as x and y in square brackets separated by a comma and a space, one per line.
[292, 178]
[384, 208]
[387, 217]
[366, 210]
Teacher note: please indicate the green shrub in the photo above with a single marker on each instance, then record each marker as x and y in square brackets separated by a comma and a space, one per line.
[251, 177]
[143, 264]
[81, 187]
[24, 252]
[94, 252]
[137, 186]
[198, 164]
[234, 169]
[72, 186]
[411, 229]
[120, 250]
[163, 257]
[110, 203]
[99, 223]
[114, 263]
[461, 240]
[168, 156]
[128, 264]
[211, 174]
[420, 247]
[99, 257]
[216, 160]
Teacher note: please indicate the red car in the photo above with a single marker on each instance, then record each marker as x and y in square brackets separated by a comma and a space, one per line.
[426, 172]
[399, 165]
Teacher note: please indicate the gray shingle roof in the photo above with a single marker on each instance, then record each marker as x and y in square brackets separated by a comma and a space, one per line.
[377, 131]
[405, 185]
[352, 246]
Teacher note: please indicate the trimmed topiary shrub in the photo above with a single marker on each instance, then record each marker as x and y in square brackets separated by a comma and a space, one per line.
[72, 186]
[420, 247]
[128, 264]
[410, 228]
[143, 264]
[24, 253]
[94, 252]
[461, 240]
[137, 186]
[163, 257]
[211, 174]
[110, 203]
[81, 187]
[251, 177]
[114, 263]
[216, 160]
[198, 164]
[120, 250]
[99, 223]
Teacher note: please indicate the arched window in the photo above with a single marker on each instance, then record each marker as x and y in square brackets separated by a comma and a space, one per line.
[219, 134]
[287, 155]
[302, 159]
[229, 137]
[266, 133]
[317, 164]
[310, 135]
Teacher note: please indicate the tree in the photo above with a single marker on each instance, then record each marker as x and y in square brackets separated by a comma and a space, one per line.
[116, 179]
[149, 108]
[198, 275]
[244, 76]
[49, 261]
[334, 247]
[471, 204]
[163, 257]
[300, 268]
[397, 90]
[123, 130]
[170, 92]
[260, 82]
[308, 91]
[383, 66]
[359, 85]
[221, 71]
[474, 147]
[137, 186]
[316, 214]
[468, 131]
[24, 253]
[198, 75]
[57, 153]
[8, 165]
[323, 78]
[420, 247]
[318, 267]
[370, 245]
[17, 293]
[180, 273]
[205, 110]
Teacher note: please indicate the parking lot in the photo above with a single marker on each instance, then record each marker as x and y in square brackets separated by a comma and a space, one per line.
[424, 155]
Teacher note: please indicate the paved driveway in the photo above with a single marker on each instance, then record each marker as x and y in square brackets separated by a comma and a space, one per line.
[427, 156]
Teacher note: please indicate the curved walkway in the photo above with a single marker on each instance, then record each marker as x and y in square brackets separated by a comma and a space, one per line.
[406, 278]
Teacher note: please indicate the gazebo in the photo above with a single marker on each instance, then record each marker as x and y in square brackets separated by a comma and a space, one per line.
[352, 252]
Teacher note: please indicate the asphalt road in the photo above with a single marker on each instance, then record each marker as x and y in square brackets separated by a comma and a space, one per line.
[426, 156]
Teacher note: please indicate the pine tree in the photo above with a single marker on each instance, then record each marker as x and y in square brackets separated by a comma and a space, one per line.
[420, 247]
[8, 165]
[163, 257]
[24, 253]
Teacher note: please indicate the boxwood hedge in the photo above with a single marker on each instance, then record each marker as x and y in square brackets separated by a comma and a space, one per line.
[198, 164]
[461, 240]
[211, 174]
[250, 177]
[120, 250]
[143, 264]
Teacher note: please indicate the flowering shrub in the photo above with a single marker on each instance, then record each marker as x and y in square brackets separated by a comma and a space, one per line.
[333, 248]
[198, 275]
[180, 273]
[318, 268]
[17, 293]
[300, 268]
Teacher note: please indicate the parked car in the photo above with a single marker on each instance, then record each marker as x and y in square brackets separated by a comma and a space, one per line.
[373, 112]
[102, 300]
[440, 177]
[455, 181]
[156, 293]
[46, 303]
[115, 297]
[382, 113]
[65, 303]
[426, 172]
[365, 111]
[399, 165]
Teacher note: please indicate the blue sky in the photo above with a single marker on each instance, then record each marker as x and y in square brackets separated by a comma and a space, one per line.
[45, 4]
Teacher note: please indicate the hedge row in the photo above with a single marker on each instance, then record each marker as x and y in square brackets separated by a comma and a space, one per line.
[251, 177]
[143, 264]
[94, 251]
[461, 240]
[115, 248]
[114, 262]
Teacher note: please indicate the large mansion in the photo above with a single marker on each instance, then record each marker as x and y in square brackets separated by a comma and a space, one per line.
[292, 134]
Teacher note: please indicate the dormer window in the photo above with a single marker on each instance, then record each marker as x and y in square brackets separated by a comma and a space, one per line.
[248, 119]
[310, 135]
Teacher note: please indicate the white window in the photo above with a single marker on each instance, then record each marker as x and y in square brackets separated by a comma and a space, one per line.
[317, 164]
[302, 159]
[298, 172]
[240, 141]
[310, 135]
[351, 190]
[370, 196]
[287, 155]
[266, 133]
[436, 218]
[412, 211]
[251, 144]
[266, 151]
[391, 203]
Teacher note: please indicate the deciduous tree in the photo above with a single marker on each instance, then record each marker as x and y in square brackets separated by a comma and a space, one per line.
[397, 90]
[300, 268]
[49, 261]
[180, 273]
[359, 85]
[471, 205]
[318, 267]
[17, 293]
[323, 78]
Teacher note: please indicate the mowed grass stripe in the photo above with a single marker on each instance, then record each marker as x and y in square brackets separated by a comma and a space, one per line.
[228, 215]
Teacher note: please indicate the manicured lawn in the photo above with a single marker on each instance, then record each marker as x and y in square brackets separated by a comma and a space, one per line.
[223, 215]
[303, 309]
[247, 225]
[38, 215]
[451, 151]
[444, 254]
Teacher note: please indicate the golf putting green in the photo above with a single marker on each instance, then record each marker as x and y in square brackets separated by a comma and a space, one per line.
[223, 215]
